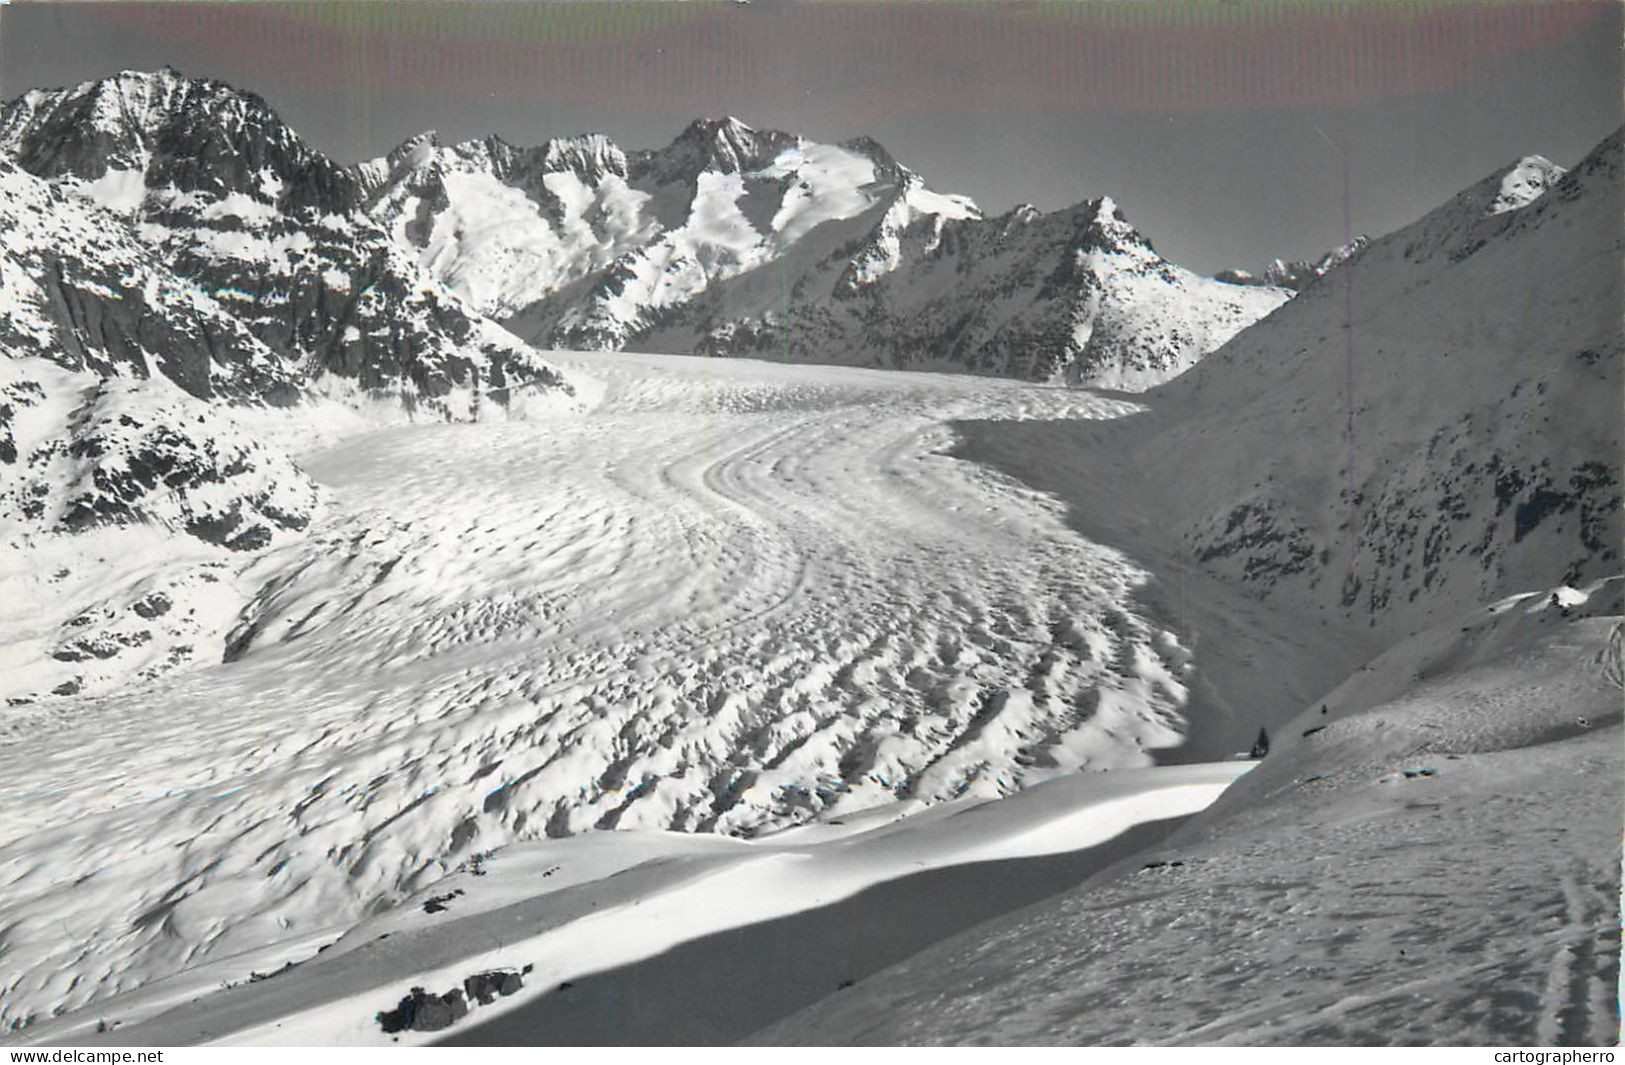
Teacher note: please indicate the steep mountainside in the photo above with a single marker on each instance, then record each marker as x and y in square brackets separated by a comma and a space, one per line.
[272, 230]
[735, 241]
[107, 355]
[79, 288]
[181, 276]
[1077, 295]
[1436, 423]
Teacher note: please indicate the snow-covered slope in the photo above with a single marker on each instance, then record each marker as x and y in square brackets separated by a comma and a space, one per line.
[506, 226]
[563, 915]
[1429, 854]
[104, 451]
[122, 513]
[1435, 423]
[118, 383]
[227, 195]
[1077, 296]
[179, 307]
[107, 361]
[734, 241]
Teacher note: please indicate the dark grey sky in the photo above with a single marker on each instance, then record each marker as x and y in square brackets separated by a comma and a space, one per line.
[1224, 128]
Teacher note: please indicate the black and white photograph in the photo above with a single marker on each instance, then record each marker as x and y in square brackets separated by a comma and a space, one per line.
[709, 523]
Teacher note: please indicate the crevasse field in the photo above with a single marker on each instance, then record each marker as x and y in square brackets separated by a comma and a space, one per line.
[721, 582]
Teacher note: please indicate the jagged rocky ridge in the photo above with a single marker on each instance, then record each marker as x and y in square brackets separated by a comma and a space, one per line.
[728, 241]
[270, 229]
[736, 241]
[170, 246]
[1297, 274]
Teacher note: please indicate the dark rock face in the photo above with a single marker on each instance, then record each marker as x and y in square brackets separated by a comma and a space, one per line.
[424, 1011]
[153, 605]
[85, 293]
[722, 145]
[191, 134]
[421, 1011]
[131, 454]
[485, 987]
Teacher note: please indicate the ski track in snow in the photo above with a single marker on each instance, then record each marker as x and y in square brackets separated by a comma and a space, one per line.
[734, 597]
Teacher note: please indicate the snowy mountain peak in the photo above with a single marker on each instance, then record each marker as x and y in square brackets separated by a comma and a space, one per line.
[1102, 224]
[876, 153]
[590, 155]
[1508, 188]
[414, 150]
[722, 145]
[727, 128]
[163, 131]
[1022, 214]
[1524, 182]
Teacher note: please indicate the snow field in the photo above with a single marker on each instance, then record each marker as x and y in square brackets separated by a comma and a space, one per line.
[1428, 855]
[731, 599]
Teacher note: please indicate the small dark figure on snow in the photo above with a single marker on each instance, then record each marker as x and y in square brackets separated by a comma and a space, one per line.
[1261, 746]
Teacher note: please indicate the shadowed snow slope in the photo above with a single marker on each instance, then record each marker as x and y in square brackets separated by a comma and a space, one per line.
[563, 909]
[1435, 424]
[1429, 855]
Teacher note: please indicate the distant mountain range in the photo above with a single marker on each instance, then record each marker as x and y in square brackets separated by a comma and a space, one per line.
[175, 235]
[728, 241]
[736, 241]
[170, 242]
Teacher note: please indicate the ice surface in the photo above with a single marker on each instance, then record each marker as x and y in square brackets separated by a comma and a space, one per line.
[1429, 854]
[733, 597]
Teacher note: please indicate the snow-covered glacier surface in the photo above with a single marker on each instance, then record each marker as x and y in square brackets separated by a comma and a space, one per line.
[732, 597]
